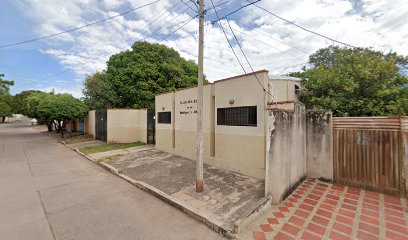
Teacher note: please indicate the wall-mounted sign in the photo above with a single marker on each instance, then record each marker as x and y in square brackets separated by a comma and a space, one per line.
[188, 107]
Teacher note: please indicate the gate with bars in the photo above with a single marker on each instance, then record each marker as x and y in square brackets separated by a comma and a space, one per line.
[151, 126]
[101, 119]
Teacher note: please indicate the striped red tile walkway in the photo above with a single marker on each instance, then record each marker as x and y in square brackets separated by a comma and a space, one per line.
[318, 210]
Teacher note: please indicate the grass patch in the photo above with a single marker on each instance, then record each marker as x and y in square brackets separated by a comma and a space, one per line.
[108, 147]
[71, 139]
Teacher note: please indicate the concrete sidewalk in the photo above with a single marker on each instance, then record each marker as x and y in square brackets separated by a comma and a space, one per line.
[227, 201]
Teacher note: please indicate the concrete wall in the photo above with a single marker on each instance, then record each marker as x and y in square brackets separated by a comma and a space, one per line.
[319, 144]
[236, 148]
[287, 152]
[126, 125]
[91, 123]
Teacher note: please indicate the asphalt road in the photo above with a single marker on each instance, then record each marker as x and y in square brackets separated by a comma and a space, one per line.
[48, 191]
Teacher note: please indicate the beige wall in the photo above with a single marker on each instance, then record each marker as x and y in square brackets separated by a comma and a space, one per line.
[127, 125]
[164, 132]
[236, 148]
[91, 123]
[242, 149]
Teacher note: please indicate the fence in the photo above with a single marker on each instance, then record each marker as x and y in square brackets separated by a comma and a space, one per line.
[369, 152]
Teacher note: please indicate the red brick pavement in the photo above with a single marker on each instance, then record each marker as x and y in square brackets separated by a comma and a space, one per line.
[317, 210]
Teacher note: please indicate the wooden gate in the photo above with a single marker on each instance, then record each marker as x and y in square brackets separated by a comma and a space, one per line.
[151, 127]
[101, 119]
[368, 153]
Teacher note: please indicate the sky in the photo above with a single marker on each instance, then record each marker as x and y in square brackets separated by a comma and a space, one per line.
[61, 63]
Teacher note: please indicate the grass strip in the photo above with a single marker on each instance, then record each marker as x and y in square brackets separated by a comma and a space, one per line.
[108, 147]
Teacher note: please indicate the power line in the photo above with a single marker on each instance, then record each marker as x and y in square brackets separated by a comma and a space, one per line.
[303, 28]
[267, 44]
[189, 6]
[253, 72]
[142, 39]
[77, 28]
[152, 23]
[243, 53]
[226, 37]
[275, 39]
[237, 10]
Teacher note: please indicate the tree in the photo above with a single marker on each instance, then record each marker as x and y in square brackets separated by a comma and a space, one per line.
[19, 101]
[54, 108]
[5, 98]
[136, 75]
[356, 82]
[97, 92]
[5, 85]
[5, 110]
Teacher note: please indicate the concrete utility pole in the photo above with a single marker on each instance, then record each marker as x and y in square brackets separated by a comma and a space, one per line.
[199, 167]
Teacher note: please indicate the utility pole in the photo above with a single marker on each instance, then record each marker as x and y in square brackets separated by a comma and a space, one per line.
[199, 165]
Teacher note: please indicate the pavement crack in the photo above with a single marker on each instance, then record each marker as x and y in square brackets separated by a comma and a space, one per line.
[46, 215]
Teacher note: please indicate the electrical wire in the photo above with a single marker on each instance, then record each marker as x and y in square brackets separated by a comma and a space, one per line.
[253, 72]
[237, 10]
[142, 39]
[267, 44]
[275, 39]
[152, 23]
[77, 28]
[226, 37]
[303, 28]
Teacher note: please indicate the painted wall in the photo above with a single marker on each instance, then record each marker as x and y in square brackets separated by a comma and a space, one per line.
[127, 125]
[241, 148]
[287, 152]
[236, 148]
[319, 144]
[165, 132]
[91, 123]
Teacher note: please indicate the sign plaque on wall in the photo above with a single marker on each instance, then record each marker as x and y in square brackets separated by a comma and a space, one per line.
[190, 107]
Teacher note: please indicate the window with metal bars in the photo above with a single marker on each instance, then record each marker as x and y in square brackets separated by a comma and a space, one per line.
[237, 116]
[164, 117]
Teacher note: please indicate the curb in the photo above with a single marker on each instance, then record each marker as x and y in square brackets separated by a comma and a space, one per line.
[253, 212]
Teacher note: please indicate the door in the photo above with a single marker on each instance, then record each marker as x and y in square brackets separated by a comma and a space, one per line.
[151, 127]
[101, 120]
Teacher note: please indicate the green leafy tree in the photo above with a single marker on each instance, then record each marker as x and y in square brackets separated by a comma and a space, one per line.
[137, 75]
[97, 92]
[5, 98]
[5, 110]
[54, 108]
[356, 82]
[5, 85]
[19, 101]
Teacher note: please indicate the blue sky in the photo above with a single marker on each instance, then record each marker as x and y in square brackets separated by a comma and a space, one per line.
[61, 63]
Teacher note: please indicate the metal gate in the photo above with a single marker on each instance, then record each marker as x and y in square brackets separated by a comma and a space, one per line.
[101, 119]
[151, 127]
[367, 153]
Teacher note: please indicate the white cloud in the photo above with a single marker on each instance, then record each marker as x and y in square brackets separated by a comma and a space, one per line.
[268, 42]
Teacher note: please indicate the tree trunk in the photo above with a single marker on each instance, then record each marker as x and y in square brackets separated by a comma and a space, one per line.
[61, 129]
[49, 125]
[3, 120]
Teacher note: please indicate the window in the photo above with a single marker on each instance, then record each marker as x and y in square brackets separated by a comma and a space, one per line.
[164, 117]
[237, 116]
